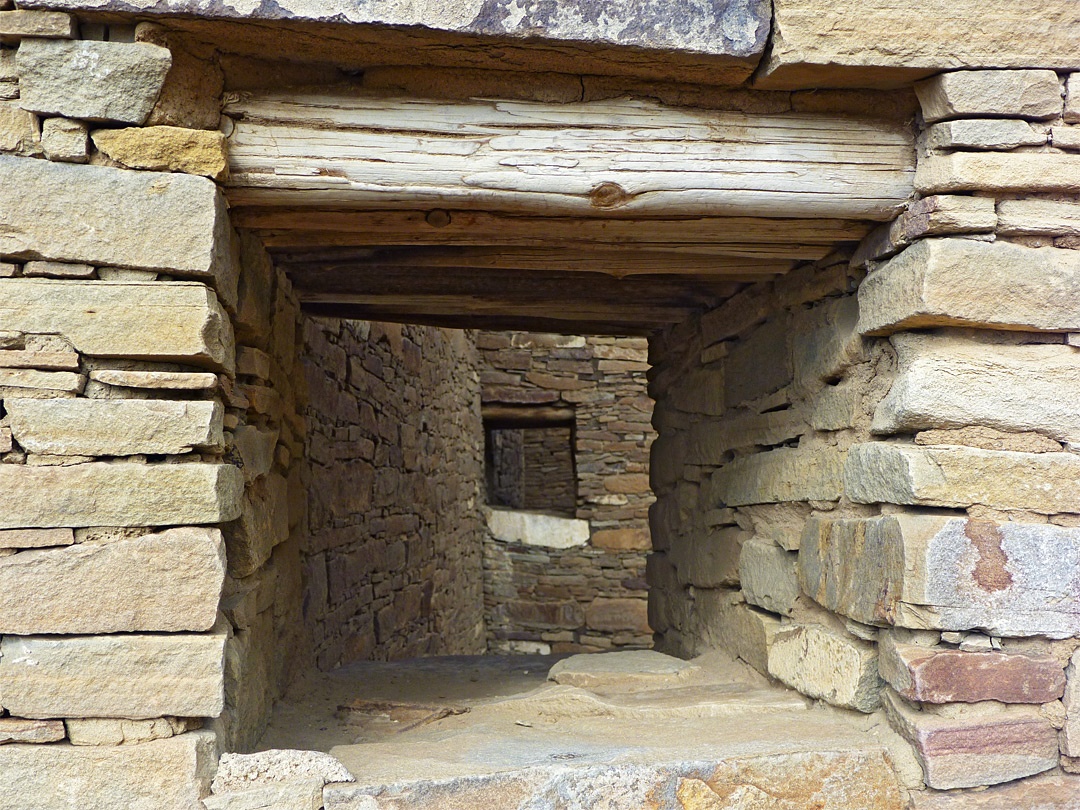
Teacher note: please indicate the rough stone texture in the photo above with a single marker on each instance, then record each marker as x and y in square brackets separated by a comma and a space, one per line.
[1065, 137]
[1054, 791]
[825, 664]
[1044, 217]
[15, 25]
[58, 270]
[171, 223]
[928, 571]
[164, 582]
[984, 133]
[638, 669]
[732, 625]
[1070, 732]
[110, 731]
[961, 477]
[64, 140]
[102, 427]
[36, 538]
[883, 43]
[531, 529]
[942, 675]
[119, 494]
[982, 747]
[607, 615]
[127, 77]
[153, 321]
[156, 380]
[989, 439]
[242, 771]
[825, 342]
[173, 773]
[788, 474]
[948, 382]
[768, 575]
[166, 149]
[396, 560]
[940, 282]
[125, 676]
[18, 730]
[998, 171]
[1012, 93]
[18, 132]
[301, 795]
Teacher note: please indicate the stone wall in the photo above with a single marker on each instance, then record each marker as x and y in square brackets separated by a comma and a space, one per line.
[393, 551]
[544, 590]
[866, 469]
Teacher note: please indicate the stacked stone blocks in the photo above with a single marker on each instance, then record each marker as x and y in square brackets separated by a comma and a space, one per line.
[885, 517]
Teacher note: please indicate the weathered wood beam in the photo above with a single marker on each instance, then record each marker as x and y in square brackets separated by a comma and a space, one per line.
[524, 415]
[627, 157]
[615, 262]
[731, 236]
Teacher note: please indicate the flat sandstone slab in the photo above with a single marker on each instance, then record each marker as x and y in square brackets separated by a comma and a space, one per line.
[119, 494]
[886, 43]
[640, 669]
[171, 773]
[1009, 93]
[133, 676]
[167, 582]
[171, 223]
[180, 321]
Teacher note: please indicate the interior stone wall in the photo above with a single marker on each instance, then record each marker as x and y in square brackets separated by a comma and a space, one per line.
[392, 554]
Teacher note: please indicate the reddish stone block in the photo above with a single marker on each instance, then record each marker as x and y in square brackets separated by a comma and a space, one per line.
[936, 675]
[622, 539]
[609, 615]
[1052, 791]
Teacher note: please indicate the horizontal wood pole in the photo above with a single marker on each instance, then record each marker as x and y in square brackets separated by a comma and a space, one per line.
[624, 157]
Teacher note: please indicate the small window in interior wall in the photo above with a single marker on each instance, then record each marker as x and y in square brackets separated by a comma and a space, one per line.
[530, 464]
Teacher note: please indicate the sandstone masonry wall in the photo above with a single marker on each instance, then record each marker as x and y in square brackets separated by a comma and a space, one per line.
[866, 469]
[392, 555]
[589, 595]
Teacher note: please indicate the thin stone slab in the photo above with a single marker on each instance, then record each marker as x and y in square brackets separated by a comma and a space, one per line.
[173, 773]
[959, 282]
[167, 582]
[959, 477]
[944, 675]
[178, 380]
[776, 476]
[277, 766]
[535, 529]
[123, 427]
[1021, 172]
[945, 573]
[949, 382]
[36, 538]
[180, 321]
[127, 79]
[632, 669]
[128, 676]
[768, 575]
[982, 133]
[170, 223]
[886, 43]
[119, 494]
[1033, 94]
[18, 730]
[1052, 791]
[1041, 217]
[983, 747]
[18, 24]
[305, 794]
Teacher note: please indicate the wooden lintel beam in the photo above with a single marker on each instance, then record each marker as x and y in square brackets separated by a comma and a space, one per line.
[525, 415]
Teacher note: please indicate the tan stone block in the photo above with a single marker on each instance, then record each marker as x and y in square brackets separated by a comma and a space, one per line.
[111, 731]
[622, 539]
[166, 149]
[18, 132]
[52, 360]
[36, 538]
[1041, 217]
[944, 675]
[825, 342]
[768, 575]
[886, 43]
[178, 380]
[709, 559]
[1010, 93]
[18, 730]
[1052, 791]
[989, 439]
[24, 380]
[959, 477]
[263, 523]
[1072, 99]
[949, 382]
[979, 747]
[126, 676]
[256, 449]
[984, 134]
[167, 582]
[827, 665]
[724, 621]
[940, 282]
[169, 223]
[786, 474]
[179, 321]
[173, 773]
[938, 215]
[941, 572]
[998, 171]
[123, 427]
[15, 25]
[610, 615]
[128, 77]
[1065, 137]
[119, 494]
[836, 407]
[65, 140]
[305, 794]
